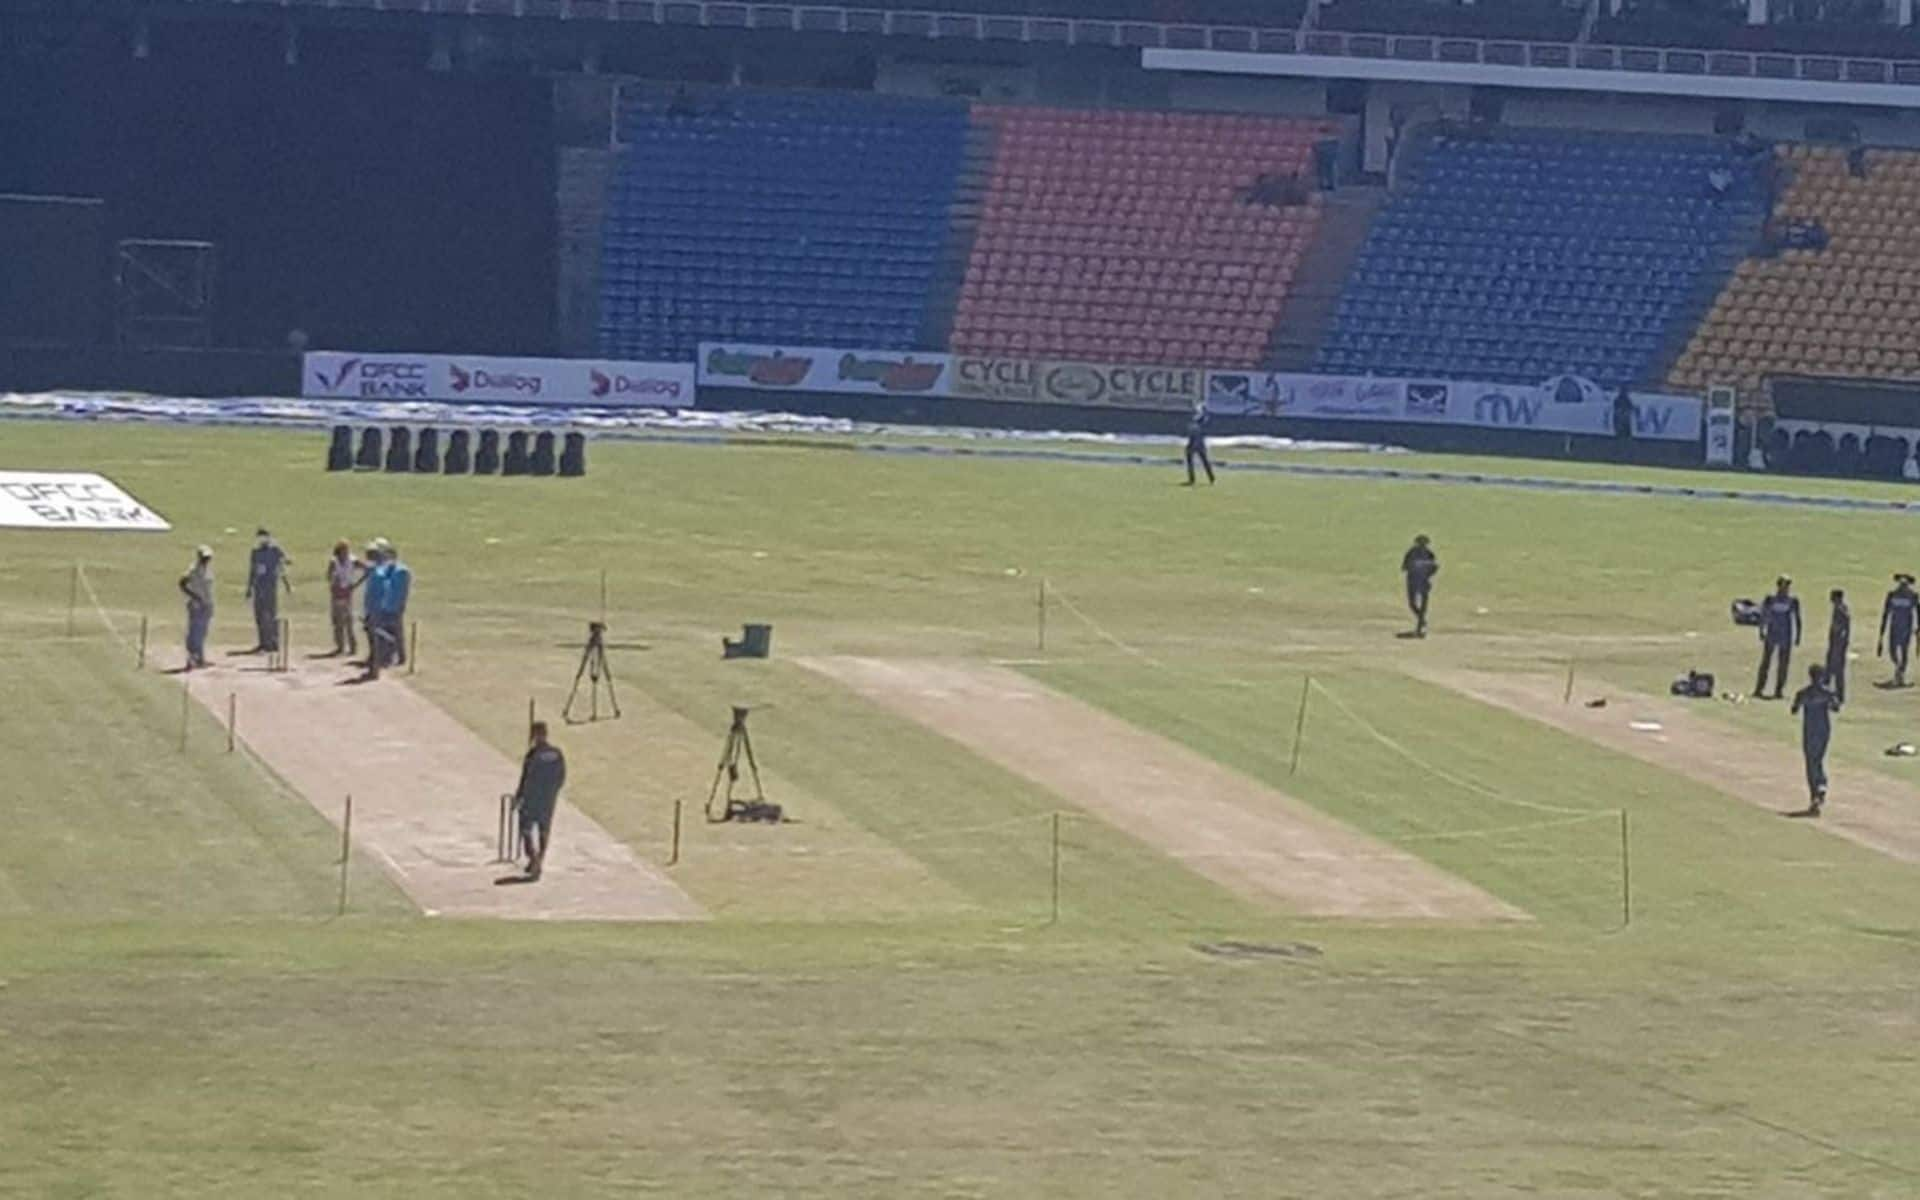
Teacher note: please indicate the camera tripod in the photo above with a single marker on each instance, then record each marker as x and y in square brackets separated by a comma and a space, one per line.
[739, 743]
[598, 672]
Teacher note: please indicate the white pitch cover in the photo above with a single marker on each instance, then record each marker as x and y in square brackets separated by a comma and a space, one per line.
[71, 500]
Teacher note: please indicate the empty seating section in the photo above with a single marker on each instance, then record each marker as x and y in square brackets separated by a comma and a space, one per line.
[1124, 236]
[802, 218]
[1851, 309]
[1516, 256]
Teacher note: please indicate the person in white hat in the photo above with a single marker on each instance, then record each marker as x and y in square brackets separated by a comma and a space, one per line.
[197, 586]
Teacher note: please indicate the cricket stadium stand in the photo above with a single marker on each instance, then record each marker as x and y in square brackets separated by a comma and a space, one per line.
[816, 218]
[1849, 310]
[1518, 255]
[1129, 236]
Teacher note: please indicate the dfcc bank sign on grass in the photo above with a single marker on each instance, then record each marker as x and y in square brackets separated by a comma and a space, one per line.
[339, 375]
[71, 500]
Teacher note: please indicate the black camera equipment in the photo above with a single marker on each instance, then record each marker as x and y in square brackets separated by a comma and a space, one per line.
[598, 672]
[739, 744]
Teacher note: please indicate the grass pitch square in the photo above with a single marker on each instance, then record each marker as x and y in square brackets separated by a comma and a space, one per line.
[880, 1005]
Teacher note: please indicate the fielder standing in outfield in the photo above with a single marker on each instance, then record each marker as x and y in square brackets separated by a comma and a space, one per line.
[1815, 704]
[344, 575]
[542, 774]
[1779, 634]
[1896, 625]
[266, 574]
[1419, 565]
[197, 586]
[1839, 635]
[1197, 443]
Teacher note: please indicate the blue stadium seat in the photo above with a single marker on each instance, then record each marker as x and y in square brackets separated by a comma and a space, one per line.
[777, 217]
[1519, 254]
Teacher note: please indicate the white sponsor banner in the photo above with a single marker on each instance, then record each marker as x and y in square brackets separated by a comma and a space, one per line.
[1720, 425]
[825, 369]
[341, 375]
[1565, 404]
[71, 500]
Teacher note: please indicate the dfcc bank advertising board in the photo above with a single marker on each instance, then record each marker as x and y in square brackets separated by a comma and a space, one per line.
[339, 375]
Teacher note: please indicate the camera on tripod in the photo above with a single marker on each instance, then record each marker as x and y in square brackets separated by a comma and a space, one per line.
[739, 745]
[597, 673]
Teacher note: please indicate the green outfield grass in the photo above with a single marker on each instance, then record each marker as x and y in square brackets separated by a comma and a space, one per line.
[890, 1014]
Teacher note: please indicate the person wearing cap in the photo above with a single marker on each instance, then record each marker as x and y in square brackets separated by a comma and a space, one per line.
[344, 575]
[1419, 565]
[1896, 625]
[1779, 634]
[1839, 636]
[1815, 705]
[266, 574]
[197, 586]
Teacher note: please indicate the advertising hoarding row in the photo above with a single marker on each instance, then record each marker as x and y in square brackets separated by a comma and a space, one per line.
[947, 376]
[1565, 404]
[341, 375]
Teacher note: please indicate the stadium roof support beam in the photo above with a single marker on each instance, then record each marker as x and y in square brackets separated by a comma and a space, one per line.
[1540, 78]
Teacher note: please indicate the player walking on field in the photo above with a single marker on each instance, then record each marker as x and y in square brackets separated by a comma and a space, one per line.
[1815, 704]
[1779, 634]
[1896, 625]
[1419, 564]
[542, 774]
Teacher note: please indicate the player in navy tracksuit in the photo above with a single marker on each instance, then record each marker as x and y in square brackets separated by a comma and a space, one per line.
[1816, 704]
[1839, 636]
[1420, 565]
[1896, 625]
[1197, 443]
[1779, 634]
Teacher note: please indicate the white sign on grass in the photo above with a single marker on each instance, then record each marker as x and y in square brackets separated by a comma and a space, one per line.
[71, 500]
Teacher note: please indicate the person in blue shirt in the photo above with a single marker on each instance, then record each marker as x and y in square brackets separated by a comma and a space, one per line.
[399, 590]
[373, 598]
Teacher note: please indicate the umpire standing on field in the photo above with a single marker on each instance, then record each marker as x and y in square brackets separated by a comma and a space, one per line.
[1839, 634]
[1779, 634]
[266, 574]
[542, 774]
